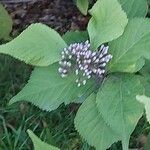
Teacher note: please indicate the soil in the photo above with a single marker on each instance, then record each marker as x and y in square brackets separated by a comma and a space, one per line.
[61, 15]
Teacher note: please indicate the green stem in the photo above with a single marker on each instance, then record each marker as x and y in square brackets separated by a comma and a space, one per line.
[125, 143]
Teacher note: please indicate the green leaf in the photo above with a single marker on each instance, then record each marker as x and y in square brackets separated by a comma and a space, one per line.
[146, 101]
[116, 102]
[131, 47]
[38, 144]
[134, 8]
[107, 23]
[145, 71]
[145, 77]
[92, 126]
[83, 6]
[75, 37]
[47, 89]
[38, 45]
[5, 23]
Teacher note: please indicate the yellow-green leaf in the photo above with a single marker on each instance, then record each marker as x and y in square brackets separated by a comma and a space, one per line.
[38, 144]
[38, 45]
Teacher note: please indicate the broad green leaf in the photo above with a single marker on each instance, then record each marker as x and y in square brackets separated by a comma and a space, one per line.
[92, 126]
[134, 8]
[38, 144]
[83, 6]
[47, 89]
[107, 23]
[5, 23]
[75, 37]
[131, 47]
[38, 45]
[146, 101]
[116, 102]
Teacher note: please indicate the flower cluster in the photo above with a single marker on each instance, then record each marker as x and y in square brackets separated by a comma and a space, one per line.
[85, 63]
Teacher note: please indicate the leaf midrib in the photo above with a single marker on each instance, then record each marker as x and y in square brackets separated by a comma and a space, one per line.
[122, 113]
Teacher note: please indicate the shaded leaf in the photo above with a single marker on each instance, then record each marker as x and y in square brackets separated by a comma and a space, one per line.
[83, 6]
[75, 37]
[116, 102]
[92, 126]
[131, 47]
[38, 45]
[107, 23]
[134, 8]
[47, 89]
[38, 144]
[5, 23]
[145, 77]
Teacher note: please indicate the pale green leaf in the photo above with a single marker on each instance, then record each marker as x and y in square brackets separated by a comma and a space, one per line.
[47, 89]
[83, 6]
[38, 45]
[107, 23]
[5, 23]
[146, 101]
[131, 47]
[75, 37]
[116, 102]
[134, 8]
[38, 144]
[92, 126]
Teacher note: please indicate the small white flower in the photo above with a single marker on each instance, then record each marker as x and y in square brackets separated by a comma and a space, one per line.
[88, 63]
